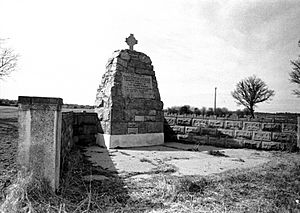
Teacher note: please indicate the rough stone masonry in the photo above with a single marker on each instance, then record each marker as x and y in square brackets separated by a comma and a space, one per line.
[128, 102]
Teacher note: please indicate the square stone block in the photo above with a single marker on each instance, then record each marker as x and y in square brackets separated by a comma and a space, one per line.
[178, 129]
[233, 124]
[271, 127]
[272, 146]
[288, 127]
[215, 123]
[243, 134]
[200, 122]
[209, 131]
[192, 129]
[226, 132]
[184, 121]
[170, 120]
[184, 137]
[282, 137]
[252, 126]
[252, 144]
[262, 136]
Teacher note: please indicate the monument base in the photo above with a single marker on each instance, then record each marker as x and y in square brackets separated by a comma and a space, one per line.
[132, 140]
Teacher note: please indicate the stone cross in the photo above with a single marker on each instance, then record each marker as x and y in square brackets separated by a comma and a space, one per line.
[131, 41]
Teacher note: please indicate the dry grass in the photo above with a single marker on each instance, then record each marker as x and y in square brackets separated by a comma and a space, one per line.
[274, 187]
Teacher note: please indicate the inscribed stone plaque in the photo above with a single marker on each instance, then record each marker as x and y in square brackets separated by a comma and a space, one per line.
[137, 86]
[132, 130]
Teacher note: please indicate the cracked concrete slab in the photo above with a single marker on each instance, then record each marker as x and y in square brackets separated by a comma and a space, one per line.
[173, 158]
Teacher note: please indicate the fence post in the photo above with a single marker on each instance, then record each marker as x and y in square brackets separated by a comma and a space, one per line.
[40, 138]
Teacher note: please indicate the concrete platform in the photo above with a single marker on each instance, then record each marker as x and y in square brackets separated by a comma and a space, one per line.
[131, 140]
[173, 158]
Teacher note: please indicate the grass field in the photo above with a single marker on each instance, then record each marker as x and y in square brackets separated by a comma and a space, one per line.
[8, 146]
[273, 187]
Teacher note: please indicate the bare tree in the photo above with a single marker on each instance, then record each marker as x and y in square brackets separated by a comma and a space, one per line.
[251, 91]
[295, 74]
[8, 61]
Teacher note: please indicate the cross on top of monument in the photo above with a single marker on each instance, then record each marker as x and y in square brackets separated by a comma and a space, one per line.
[131, 41]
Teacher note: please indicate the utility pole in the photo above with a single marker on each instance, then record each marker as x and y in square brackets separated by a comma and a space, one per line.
[215, 102]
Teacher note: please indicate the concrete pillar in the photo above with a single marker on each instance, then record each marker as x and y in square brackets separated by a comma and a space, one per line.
[40, 137]
[298, 133]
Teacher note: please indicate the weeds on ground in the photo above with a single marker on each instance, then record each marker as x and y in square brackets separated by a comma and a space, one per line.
[274, 187]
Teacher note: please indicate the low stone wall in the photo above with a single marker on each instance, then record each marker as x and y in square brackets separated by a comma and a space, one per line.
[76, 128]
[66, 136]
[231, 133]
[85, 126]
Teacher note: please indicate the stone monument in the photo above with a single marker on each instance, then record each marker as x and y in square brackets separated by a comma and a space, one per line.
[128, 101]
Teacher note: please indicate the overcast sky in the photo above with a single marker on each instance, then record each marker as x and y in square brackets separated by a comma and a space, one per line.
[195, 46]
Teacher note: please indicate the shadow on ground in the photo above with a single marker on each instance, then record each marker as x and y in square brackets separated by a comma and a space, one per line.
[174, 146]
